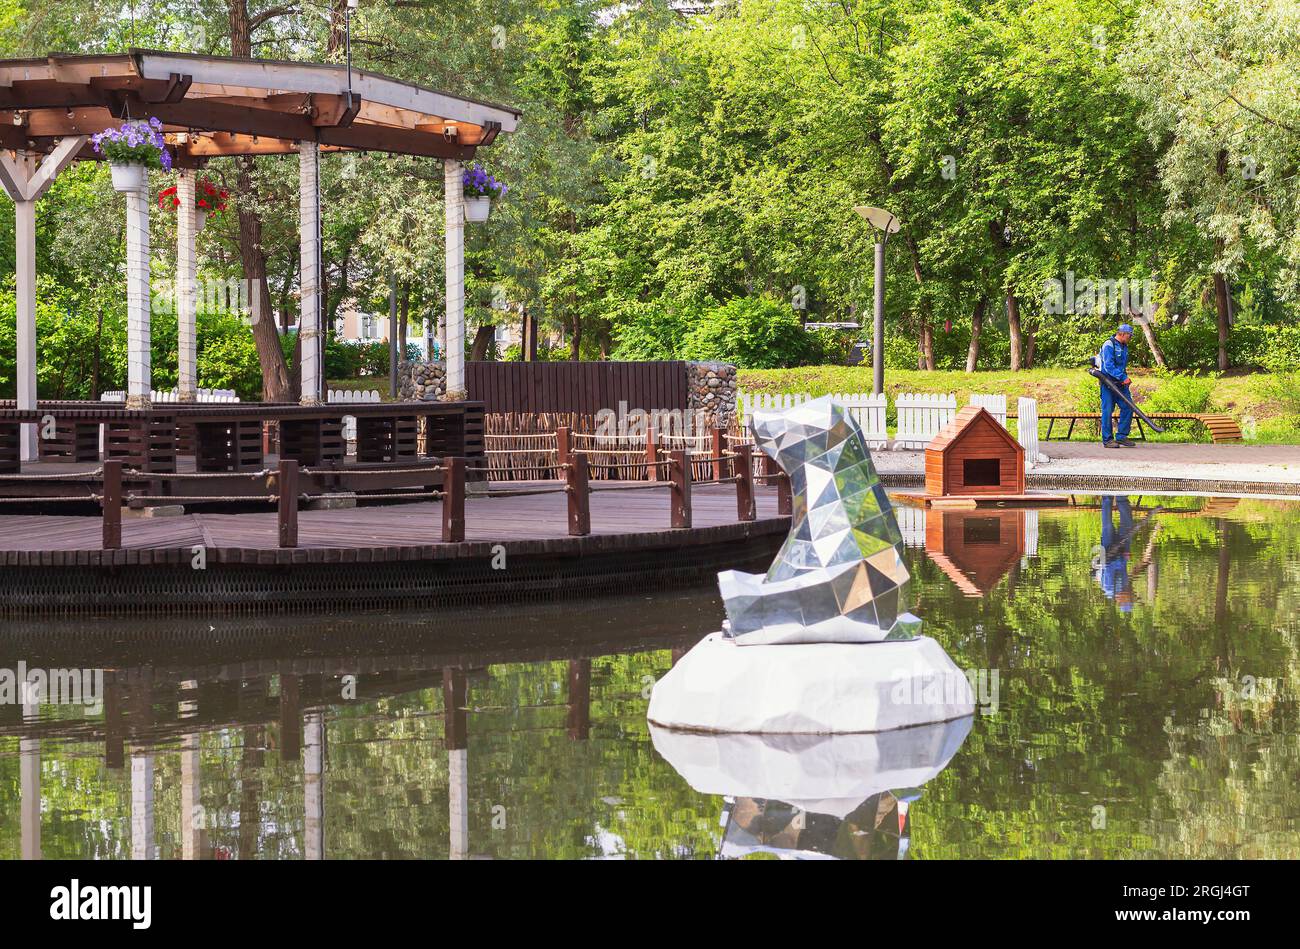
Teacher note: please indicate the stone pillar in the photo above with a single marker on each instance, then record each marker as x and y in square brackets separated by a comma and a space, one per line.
[309, 269]
[711, 395]
[139, 374]
[453, 198]
[187, 233]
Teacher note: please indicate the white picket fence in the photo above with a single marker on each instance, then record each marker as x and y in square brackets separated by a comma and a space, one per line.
[995, 405]
[352, 397]
[911, 522]
[921, 416]
[867, 409]
[171, 395]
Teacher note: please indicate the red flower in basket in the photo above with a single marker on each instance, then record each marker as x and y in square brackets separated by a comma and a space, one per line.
[207, 198]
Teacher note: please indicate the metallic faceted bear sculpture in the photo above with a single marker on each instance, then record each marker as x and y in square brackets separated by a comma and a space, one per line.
[840, 576]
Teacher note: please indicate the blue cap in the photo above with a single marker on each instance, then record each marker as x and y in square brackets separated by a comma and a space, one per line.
[1126, 328]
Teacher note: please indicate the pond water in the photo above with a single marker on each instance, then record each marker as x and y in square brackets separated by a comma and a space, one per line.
[1138, 688]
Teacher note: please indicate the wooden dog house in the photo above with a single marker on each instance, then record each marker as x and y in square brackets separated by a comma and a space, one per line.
[974, 456]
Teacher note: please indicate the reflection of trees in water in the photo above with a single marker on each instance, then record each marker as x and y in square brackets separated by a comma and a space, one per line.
[1142, 714]
[1137, 713]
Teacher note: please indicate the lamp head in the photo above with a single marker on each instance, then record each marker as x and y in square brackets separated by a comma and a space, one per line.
[879, 218]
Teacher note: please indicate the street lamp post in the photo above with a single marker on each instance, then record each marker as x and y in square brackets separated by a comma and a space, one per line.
[883, 224]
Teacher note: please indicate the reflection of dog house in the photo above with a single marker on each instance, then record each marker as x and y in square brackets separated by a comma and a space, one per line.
[974, 455]
[976, 549]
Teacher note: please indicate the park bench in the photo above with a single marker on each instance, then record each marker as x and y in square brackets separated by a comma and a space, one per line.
[1222, 428]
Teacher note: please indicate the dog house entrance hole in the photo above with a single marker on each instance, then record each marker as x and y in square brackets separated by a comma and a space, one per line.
[980, 472]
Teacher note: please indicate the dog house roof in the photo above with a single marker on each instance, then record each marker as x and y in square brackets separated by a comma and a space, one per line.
[968, 420]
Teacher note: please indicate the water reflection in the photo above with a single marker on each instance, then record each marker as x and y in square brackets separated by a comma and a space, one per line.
[807, 796]
[1172, 730]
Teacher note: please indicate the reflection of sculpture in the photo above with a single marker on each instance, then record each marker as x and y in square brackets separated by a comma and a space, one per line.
[844, 796]
[877, 829]
[839, 577]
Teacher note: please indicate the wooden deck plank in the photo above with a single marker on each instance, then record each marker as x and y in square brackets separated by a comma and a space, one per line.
[378, 532]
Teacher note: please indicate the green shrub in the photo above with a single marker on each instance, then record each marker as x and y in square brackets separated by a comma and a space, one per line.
[1178, 392]
[752, 333]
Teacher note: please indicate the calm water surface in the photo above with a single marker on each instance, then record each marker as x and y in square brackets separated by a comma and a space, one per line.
[1140, 661]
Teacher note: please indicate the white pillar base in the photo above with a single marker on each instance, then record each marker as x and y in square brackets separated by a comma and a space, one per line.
[810, 688]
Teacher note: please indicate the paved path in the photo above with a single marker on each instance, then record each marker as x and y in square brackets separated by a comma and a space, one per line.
[1279, 464]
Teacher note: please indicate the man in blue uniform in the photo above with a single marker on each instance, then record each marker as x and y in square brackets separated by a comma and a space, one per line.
[1114, 363]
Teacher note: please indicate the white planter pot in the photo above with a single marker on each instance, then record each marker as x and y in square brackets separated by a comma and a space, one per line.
[200, 221]
[477, 209]
[128, 177]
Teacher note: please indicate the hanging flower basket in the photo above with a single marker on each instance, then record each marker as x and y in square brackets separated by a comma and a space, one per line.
[131, 149]
[479, 190]
[209, 201]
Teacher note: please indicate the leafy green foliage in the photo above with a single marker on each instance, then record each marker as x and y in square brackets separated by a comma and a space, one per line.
[756, 333]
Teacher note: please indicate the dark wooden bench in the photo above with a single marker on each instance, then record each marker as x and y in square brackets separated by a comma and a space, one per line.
[1222, 428]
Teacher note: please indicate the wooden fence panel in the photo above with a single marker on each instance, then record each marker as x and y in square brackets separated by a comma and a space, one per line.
[581, 387]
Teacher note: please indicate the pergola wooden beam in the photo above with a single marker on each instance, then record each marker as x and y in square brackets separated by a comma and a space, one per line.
[218, 105]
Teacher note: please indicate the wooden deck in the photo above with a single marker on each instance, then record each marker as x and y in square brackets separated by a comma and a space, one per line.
[533, 524]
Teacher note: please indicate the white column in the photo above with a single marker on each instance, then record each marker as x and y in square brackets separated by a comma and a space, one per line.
[313, 785]
[458, 798]
[453, 198]
[309, 269]
[139, 377]
[142, 844]
[25, 279]
[187, 233]
[25, 184]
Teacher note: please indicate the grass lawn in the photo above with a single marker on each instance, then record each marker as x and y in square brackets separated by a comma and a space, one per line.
[1244, 396]
[363, 384]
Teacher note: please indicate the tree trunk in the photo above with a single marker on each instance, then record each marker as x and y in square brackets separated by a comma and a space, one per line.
[528, 337]
[1031, 346]
[1221, 316]
[575, 342]
[403, 320]
[1149, 332]
[927, 344]
[1221, 301]
[976, 324]
[482, 343]
[275, 373]
[1013, 329]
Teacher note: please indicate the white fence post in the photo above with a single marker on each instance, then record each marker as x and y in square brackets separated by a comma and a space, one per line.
[921, 416]
[1027, 430]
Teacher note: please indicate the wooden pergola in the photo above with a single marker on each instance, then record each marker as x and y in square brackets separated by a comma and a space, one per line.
[213, 106]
